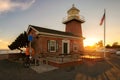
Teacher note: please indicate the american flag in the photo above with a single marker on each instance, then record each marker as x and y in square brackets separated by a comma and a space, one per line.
[103, 18]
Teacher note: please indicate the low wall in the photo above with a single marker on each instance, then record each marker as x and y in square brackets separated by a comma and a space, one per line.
[67, 64]
[13, 56]
[16, 56]
[3, 56]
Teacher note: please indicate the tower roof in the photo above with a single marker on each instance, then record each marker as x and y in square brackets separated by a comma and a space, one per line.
[73, 8]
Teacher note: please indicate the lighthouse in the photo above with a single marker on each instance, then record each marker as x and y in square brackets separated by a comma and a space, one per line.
[73, 21]
[58, 42]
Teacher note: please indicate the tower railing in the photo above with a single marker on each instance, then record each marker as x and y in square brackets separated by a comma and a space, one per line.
[78, 17]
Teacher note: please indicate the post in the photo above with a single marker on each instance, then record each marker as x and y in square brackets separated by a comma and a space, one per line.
[104, 33]
[30, 51]
[30, 38]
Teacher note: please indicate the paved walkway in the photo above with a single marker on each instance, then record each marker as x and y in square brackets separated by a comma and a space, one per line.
[43, 68]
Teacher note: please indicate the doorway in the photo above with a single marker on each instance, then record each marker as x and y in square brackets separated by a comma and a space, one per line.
[65, 46]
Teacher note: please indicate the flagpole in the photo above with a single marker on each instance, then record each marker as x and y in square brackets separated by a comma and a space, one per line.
[104, 32]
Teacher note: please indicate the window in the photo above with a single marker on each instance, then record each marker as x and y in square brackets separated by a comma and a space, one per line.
[75, 47]
[52, 46]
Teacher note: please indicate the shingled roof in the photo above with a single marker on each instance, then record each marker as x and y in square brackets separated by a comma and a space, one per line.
[46, 30]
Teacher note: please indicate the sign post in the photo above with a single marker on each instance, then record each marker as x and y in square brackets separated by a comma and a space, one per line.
[30, 38]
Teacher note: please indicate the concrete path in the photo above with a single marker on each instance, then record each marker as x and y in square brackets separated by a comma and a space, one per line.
[43, 68]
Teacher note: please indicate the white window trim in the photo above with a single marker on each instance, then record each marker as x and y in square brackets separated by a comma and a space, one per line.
[54, 46]
[68, 42]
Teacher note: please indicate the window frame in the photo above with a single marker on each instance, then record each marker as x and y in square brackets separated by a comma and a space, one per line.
[52, 45]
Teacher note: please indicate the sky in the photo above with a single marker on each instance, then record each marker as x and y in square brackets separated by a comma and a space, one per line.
[16, 15]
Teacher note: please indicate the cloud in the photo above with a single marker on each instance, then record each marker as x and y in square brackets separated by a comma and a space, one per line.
[11, 5]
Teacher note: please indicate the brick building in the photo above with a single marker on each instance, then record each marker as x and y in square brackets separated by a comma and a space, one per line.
[59, 42]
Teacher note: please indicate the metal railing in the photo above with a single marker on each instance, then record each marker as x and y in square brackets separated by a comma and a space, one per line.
[78, 17]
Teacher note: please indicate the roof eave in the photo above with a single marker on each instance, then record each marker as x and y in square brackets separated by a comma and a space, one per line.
[30, 27]
[57, 35]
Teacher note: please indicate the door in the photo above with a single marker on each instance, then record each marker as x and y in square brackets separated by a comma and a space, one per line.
[65, 48]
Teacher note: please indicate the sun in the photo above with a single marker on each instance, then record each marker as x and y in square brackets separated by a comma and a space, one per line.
[90, 41]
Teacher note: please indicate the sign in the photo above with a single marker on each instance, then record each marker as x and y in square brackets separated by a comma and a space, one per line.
[30, 51]
[30, 38]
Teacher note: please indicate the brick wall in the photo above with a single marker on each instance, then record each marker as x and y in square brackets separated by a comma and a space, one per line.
[74, 27]
[40, 43]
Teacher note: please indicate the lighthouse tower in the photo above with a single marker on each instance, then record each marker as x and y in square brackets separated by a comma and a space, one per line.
[73, 21]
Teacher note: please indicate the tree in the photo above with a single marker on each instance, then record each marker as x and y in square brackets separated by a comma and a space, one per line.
[108, 46]
[115, 45]
[20, 42]
[100, 43]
